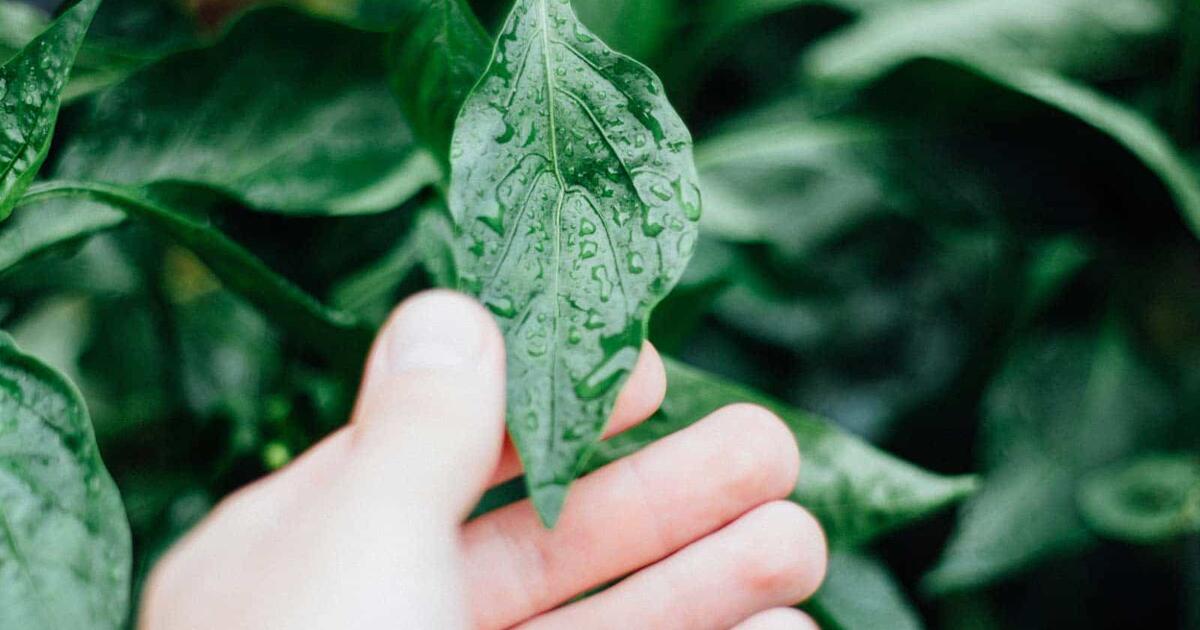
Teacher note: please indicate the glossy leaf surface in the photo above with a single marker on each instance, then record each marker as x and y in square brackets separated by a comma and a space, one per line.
[64, 540]
[576, 198]
[31, 85]
[286, 113]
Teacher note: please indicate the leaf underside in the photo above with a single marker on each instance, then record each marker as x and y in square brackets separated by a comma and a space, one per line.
[575, 196]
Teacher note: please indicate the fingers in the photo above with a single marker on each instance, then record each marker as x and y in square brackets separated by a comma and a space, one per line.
[773, 556]
[429, 420]
[638, 400]
[628, 514]
[778, 619]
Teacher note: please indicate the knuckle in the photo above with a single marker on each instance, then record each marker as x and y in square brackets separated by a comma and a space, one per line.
[761, 457]
[787, 559]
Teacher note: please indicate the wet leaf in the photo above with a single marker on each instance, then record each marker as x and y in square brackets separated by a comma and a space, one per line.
[64, 540]
[31, 85]
[575, 194]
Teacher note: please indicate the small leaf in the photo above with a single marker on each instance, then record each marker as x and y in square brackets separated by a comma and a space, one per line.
[31, 85]
[856, 491]
[859, 593]
[575, 194]
[438, 52]
[65, 547]
[286, 113]
[1149, 500]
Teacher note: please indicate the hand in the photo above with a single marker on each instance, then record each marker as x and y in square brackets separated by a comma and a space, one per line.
[366, 529]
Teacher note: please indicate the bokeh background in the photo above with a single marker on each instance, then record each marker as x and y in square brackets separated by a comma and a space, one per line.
[964, 230]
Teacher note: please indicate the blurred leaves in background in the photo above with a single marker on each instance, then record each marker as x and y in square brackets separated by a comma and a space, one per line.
[960, 235]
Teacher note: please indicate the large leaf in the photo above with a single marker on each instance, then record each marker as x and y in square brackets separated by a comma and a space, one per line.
[1062, 407]
[438, 52]
[286, 113]
[31, 86]
[856, 491]
[1076, 37]
[860, 593]
[338, 335]
[64, 541]
[575, 194]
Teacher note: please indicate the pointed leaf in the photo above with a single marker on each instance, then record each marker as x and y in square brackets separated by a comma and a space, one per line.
[855, 490]
[31, 85]
[576, 197]
[64, 540]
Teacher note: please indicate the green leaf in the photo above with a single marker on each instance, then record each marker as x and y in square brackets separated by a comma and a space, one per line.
[1076, 37]
[855, 490]
[64, 540]
[30, 91]
[339, 336]
[1061, 407]
[286, 113]
[1151, 499]
[438, 52]
[859, 593]
[575, 194]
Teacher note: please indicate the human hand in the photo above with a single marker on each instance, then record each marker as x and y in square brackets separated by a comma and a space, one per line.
[366, 530]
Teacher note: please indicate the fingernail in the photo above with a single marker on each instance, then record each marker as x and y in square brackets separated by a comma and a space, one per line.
[433, 330]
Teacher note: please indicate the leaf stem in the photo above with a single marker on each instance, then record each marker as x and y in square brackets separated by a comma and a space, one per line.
[338, 336]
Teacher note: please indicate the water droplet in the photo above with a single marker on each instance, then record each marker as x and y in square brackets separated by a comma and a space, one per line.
[574, 336]
[600, 275]
[593, 321]
[661, 192]
[586, 227]
[587, 249]
[689, 197]
[502, 307]
[636, 264]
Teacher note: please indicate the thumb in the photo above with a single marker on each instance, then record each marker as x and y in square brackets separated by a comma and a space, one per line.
[429, 421]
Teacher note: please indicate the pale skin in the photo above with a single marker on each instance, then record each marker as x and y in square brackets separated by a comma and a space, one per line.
[368, 528]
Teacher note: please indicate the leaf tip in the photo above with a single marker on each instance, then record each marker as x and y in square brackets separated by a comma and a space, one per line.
[548, 501]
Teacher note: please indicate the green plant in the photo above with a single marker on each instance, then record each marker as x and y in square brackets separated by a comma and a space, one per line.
[961, 229]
